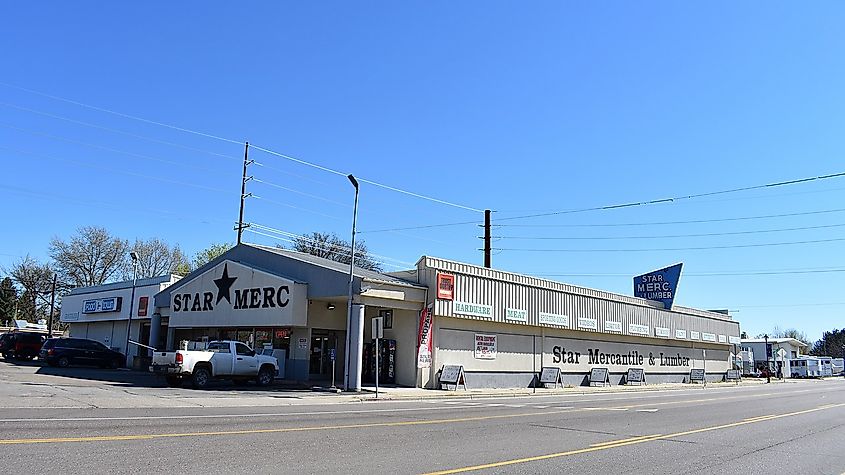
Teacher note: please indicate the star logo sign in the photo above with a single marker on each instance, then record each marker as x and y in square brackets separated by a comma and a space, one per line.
[224, 285]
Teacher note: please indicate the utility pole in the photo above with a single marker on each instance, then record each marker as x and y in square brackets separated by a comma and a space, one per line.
[244, 195]
[52, 308]
[487, 238]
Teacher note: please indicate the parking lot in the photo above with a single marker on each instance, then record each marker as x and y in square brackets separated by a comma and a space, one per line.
[29, 384]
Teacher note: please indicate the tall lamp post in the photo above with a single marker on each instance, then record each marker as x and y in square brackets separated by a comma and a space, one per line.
[134, 256]
[768, 364]
[348, 352]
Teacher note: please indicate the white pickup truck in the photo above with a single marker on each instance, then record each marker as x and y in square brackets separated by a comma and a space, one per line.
[220, 360]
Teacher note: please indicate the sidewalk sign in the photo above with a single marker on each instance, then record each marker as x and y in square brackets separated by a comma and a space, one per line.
[451, 377]
[550, 375]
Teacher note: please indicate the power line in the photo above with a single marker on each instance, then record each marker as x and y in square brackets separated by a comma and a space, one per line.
[120, 114]
[101, 147]
[705, 274]
[735, 246]
[118, 131]
[426, 226]
[679, 198]
[364, 180]
[288, 205]
[123, 172]
[661, 223]
[316, 197]
[263, 149]
[671, 236]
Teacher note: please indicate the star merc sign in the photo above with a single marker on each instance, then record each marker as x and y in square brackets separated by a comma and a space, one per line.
[245, 298]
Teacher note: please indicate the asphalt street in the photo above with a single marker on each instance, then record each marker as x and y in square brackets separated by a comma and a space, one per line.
[795, 427]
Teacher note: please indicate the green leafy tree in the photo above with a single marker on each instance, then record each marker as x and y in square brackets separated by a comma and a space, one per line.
[210, 253]
[831, 344]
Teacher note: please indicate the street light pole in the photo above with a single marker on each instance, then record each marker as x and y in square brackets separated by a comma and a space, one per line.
[348, 350]
[134, 256]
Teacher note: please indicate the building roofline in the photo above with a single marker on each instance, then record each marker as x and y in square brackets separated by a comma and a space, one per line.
[126, 284]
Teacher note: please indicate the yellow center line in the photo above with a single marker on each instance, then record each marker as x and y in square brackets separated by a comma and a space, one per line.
[614, 442]
[625, 442]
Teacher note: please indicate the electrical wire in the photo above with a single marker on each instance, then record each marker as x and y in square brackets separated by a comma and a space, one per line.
[705, 274]
[364, 180]
[316, 197]
[107, 149]
[118, 131]
[120, 114]
[671, 236]
[662, 223]
[287, 205]
[734, 246]
[123, 172]
[257, 147]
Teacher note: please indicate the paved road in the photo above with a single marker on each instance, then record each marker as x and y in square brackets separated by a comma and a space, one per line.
[788, 427]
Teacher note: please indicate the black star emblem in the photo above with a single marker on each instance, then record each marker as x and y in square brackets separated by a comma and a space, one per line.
[224, 285]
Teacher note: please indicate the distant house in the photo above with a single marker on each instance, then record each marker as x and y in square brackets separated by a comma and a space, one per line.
[783, 352]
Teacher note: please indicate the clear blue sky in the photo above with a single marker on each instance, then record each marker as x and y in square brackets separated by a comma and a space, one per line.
[512, 107]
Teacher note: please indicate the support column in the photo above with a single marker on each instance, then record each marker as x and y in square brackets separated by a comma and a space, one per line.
[356, 346]
[155, 331]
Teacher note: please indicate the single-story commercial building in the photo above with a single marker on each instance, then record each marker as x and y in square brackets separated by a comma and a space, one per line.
[780, 357]
[501, 328]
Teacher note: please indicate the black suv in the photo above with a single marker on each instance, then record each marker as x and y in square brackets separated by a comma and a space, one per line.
[21, 345]
[63, 352]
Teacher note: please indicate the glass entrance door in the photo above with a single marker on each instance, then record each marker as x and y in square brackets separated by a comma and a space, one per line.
[320, 362]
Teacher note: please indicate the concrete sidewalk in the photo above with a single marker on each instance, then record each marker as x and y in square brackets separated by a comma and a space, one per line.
[402, 393]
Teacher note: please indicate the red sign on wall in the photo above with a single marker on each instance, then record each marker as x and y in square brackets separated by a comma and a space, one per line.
[445, 286]
[142, 306]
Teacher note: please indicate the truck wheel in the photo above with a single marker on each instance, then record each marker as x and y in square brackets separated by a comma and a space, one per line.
[201, 377]
[173, 381]
[63, 362]
[265, 376]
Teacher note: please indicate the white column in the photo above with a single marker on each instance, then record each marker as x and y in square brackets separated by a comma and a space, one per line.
[356, 346]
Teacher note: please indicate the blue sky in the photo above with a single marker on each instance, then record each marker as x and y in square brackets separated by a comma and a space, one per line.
[512, 107]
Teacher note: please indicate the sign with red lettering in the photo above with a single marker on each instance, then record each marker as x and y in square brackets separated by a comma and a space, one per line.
[445, 286]
[424, 339]
[143, 302]
[485, 347]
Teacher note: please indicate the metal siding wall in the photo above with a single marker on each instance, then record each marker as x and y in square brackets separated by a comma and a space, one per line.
[523, 293]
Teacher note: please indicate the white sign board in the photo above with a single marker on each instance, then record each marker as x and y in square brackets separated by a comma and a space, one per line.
[661, 332]
[734, 340]
[588, 323]
[485, 347]
[516, 315]
[472, 309]
[637, 329]
[610, 326]
[694, 335]
[708, 337]
[723, 339]
[378, 327]
[233, 295]
[554, 319]
[681, 334]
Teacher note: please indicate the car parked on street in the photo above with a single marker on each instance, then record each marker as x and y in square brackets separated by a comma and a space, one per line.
[21, 345]
[64, 352]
